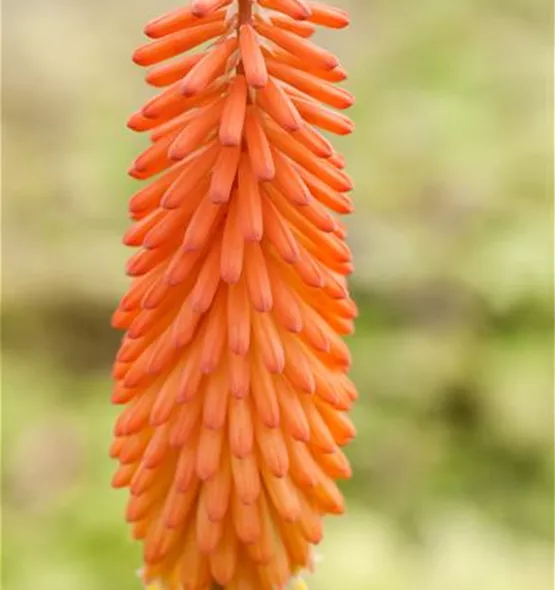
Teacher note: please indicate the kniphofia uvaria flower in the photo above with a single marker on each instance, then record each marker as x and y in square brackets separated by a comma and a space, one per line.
[233, 367]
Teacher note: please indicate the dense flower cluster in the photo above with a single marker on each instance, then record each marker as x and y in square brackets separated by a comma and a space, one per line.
[233, 368]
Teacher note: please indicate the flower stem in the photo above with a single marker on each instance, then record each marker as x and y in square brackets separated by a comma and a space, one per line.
[245, 12]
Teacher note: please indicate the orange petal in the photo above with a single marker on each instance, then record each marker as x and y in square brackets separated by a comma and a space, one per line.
[311, 85]
[258, 283]
[264, 395]
[171, 102]
[259, 147]
[223, 560]
[262, 549]
[185, 422]
[249, 202]
[297, 369]
[206, 286]
[246, 478]
[286, 308]
[246, 520]
[154, 159]
[194, 566]
[279, 233]
[208, 452]
[159, 542]
[241, 436]
[216, 399]
[203, 8]
[310, 521]
[320, 436]
[213, 344]
[183, 267]
[328, 16]
[338, 74]
[271, 445]
[295, 423]
[304, 158]
[268, 342]
[149, 197]
[302, 48]
[233, 115]
[177, 43]
[224, 174]
[209, 532]
[323, 117]
[301, 28]
[192, 172]
[275, 101]
[314, 141]
[239, 376]
[334, 465]
[166, 399]
[207, 69]
[283, 495]
[196, 131]
[287, 181]
[202, 225]
[178, 19]
[253, 62]
[166, 74]
[185, 476]
[233, 244]
[238, 318]
[123, 476]
[341, 203]
[338, 423]
[134, 236]
[296, 9]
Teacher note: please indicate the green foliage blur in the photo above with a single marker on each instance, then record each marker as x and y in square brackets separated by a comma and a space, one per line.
[453, 244]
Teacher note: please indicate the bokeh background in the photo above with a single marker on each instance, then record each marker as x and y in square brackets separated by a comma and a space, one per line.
[453, 239]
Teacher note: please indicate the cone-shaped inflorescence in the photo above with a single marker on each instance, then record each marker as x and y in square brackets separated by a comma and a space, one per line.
[233, 367]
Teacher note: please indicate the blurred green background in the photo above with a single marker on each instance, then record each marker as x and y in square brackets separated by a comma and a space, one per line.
[453, 239]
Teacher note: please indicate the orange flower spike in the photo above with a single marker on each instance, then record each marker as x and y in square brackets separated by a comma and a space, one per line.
[233, 370]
